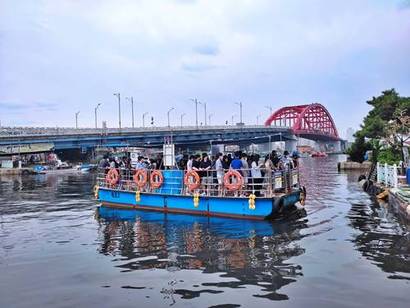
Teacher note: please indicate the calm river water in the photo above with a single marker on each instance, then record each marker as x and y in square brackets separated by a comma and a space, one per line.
[55, 251]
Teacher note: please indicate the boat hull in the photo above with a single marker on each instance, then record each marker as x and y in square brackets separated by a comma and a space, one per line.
[234, 207]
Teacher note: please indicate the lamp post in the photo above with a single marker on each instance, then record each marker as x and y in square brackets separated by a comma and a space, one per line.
[232, 118]
[131, 99]
[270, 109]
[196, 111]
[76, 119]
[119, 109]
[257, 119]
[95, 113]
[143, 118]
[209, 118]
[169, 111]
[240, 110]
[205, 116]
[182, 116]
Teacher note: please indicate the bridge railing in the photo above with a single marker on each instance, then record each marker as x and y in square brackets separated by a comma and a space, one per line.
[34, 131]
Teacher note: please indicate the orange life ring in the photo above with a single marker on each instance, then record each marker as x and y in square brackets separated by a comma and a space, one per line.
[140, 177]
[192, 185]
[156, 179]
[112, 177]
[233, 180]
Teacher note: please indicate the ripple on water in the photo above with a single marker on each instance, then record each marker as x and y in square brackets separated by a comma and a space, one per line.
[48, 231]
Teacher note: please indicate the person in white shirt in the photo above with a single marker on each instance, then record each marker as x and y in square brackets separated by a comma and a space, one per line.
[219, 172]
[189, 163]
[256, 174]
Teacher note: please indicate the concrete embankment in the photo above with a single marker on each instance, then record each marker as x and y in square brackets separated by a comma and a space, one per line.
[399, 200]
[16, 171]
[351, 165]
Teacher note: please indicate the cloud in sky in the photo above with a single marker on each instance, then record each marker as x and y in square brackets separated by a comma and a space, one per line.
[76, 54]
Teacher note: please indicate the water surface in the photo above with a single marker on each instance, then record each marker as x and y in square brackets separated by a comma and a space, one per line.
[57, 251]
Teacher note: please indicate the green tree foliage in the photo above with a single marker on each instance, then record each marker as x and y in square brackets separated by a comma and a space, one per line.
[386, 120]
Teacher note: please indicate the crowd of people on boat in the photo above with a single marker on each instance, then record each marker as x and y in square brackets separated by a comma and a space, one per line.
[240, 160]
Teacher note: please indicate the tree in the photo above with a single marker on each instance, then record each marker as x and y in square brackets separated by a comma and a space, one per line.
[388, 120]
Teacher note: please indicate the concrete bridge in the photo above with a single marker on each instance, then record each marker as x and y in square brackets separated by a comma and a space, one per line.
[287, 124]
[66, 139]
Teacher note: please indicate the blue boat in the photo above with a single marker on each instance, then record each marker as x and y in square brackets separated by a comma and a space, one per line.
[191, 192]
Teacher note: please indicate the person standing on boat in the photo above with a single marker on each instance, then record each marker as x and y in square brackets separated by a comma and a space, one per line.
[236, 163]
[205, 167]
[190, 163]
[245, 169]
[256, 174]
[140, 163]
[219, 172]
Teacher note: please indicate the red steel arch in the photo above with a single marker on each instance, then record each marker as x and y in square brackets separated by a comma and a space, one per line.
[306, 120]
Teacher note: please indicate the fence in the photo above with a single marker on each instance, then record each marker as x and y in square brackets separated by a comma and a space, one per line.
[387, 175]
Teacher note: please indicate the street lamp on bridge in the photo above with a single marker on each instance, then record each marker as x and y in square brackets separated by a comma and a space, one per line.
[240, 111]
[209, 118]
[182, 116]
[196, 111]
[119, 109]
[95, 113]
[143, 118]
[257, 119]
[131, 99]
[204, 104]
[76, 119]
[270, 109]
[169, 111]
[233, 118]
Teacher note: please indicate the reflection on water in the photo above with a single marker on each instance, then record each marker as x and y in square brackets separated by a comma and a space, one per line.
[251, 252]
[57, 250]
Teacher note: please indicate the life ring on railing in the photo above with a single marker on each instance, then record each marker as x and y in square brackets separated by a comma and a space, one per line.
[192, 185]
[140, 177]
[112, 177]
[156, 179]
[233, 180]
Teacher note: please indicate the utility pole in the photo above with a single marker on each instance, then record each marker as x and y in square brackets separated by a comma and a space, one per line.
[143, 119]
[76, 119]
[132, 109]
[240, 112]
[119, 109]
[182, 116]
[95, 114]
[196, 111]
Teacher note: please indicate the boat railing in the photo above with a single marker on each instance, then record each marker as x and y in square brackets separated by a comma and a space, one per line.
[204, 182]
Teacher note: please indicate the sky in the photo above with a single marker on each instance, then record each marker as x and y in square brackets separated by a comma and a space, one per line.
[58, 57]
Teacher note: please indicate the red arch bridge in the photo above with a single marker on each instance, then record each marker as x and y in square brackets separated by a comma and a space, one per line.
[307, 121]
